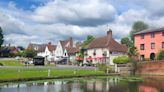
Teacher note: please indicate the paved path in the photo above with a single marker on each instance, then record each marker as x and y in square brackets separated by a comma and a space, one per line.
[53, 67]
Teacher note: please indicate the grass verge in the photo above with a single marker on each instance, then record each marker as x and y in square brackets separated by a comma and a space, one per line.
[24, 74]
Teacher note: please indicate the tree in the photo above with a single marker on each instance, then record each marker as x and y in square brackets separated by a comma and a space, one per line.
[30, 53]
[88, 40]
[137, 27]
[21, 48]
[1, 37]
[127, 42]
[160, 55]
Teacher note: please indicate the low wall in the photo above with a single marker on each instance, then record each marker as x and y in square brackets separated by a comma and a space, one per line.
[150, 68]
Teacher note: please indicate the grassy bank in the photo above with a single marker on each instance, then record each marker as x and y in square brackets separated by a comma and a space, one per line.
[10, 62]
[10, 74]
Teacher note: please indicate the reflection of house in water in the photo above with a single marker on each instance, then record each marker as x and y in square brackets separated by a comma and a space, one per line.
[152, 84]
[143, 88]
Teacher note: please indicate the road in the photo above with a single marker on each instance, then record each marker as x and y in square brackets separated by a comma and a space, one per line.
[54, 67]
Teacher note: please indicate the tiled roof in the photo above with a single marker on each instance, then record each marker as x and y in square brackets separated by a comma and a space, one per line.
[51, 47]
[72, 50]
[150, 30]
[64, 43]
[42, 47]
[104, 42]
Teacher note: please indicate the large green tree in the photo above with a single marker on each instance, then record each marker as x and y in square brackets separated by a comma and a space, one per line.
[137, 27]
[127, 41]
[30, 53]
[1, 37]
[87, 40]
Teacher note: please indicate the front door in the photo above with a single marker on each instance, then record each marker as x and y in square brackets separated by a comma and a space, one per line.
[152, 56]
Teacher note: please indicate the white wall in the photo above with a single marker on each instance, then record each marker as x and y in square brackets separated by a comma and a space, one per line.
[99, 53]
[59, 50]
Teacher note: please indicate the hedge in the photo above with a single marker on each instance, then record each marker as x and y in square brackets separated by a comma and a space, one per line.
[121, 60]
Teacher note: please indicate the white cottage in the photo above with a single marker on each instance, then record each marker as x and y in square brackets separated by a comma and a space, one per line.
[44, 50]
[104, 50]
[59, 52]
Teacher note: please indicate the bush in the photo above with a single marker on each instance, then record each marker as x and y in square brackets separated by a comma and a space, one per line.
[121, 60]
[160, 55]
[103, 67]
[1, 64]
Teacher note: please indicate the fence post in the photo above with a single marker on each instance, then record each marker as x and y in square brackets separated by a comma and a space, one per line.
[49, 71]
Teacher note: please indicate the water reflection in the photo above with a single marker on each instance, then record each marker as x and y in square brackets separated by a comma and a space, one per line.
[86, 85]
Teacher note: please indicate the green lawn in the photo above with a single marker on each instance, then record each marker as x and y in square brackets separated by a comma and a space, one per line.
[10, 62]
[25, 73]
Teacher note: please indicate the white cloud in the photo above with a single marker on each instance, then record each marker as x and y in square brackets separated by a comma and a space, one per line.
[60, 19]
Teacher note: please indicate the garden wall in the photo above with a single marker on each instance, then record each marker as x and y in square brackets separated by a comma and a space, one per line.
[150, 68]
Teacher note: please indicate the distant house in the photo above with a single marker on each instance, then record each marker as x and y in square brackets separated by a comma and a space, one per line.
[104, 50]
[44, 50]
[70, 54]
[65, 50]
[149, 42]
[8, 51]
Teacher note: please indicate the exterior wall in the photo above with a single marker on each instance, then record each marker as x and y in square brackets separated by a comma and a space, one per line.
[99, 53]
[50, 56]
[151, 68]
[158, 39]
[59, 51]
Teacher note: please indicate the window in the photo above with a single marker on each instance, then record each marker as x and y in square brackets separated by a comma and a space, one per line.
[142, 46]
[152, 45]
[152, 35]
[142, 57]
[162, 33]
[162, 44]
[142, 36]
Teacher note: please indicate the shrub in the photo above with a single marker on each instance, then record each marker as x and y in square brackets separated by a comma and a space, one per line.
[121, 60]
[160, 55]
[1, 64]
[103, 67]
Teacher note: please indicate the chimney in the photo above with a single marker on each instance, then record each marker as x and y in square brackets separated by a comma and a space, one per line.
[71, 41]
[49, 43]
[109, 34]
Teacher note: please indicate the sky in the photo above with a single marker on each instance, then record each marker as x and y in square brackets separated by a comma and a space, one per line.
[43, 21]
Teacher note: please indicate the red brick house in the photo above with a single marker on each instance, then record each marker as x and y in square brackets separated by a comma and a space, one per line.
[149, 42]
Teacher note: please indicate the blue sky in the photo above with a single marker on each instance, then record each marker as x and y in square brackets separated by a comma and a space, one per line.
[42, 21]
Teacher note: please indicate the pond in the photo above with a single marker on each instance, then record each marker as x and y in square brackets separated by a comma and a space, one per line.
[96, 84]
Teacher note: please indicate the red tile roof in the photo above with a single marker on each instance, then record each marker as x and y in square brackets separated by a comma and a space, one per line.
[104, 42]
[72, 50]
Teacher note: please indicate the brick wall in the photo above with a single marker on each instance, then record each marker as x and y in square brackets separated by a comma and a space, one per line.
[150, 68]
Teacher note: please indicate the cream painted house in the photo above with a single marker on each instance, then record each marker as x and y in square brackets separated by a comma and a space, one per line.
[44, 50]
[104, 50]
[65, 51]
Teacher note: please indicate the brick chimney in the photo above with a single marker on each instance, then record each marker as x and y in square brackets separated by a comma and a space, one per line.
[71, 41]
[49, 43]
[109, 34]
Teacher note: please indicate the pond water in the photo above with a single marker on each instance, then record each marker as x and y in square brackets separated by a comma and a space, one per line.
[105, 84]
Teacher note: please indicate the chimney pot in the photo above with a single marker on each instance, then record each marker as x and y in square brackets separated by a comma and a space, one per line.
[109, 34]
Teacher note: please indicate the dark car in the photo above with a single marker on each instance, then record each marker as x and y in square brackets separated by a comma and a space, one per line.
[38, 60]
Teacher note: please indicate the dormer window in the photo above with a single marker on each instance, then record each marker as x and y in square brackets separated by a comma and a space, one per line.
[104, 54]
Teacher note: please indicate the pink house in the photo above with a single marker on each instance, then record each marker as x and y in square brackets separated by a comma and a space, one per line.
[149, 43]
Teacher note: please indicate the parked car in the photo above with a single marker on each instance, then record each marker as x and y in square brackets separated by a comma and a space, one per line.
[28, 62]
